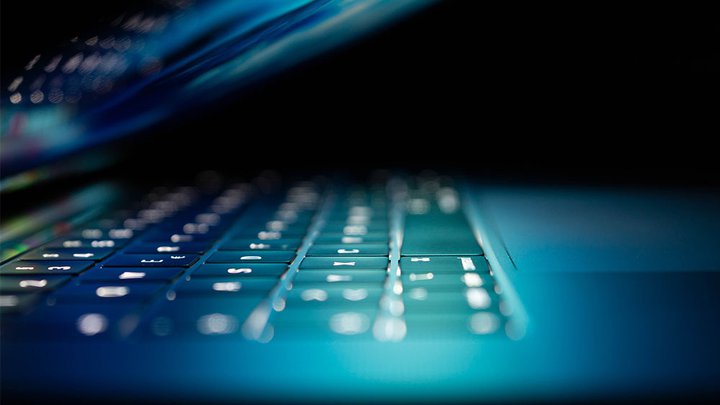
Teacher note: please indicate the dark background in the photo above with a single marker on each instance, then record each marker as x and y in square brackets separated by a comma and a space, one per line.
[602, 91]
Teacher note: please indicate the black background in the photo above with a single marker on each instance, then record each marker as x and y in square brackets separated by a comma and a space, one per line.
[603, 91]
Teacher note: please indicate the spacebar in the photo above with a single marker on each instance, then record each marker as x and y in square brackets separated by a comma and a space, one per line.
[435, 233]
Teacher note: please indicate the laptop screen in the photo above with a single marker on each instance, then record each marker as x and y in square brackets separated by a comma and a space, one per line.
[160, 60]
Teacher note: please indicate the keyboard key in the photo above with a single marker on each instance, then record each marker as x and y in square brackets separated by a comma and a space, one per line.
[223, 286]
[130, 274]
[251, 256]
[342, 212]
[240, 270]
[107, 293]
[342, 276]
[151, 260]
[444, 264]
[351, 250]
[455, 325]
[326, 324]
[87, 243]
[257, 244]
[331, 294]
[31, 284]
[190, 228]
[68, 254]
[341, 285]
[103, 233]
[165, 237]
[328, 263]
[350, 217]
[446, 281]
[297, 228]
[467, 300]
[356, 229]
[338, 237]
[78, 320]
[181, 247]
[45, 267]
[267, 235]
[199, 317]
[436, 233]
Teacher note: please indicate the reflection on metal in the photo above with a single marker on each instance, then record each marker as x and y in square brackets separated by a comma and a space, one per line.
[418, 294]
[505, 309]
[360, 210]
[334, 278]
[448, 200]
[389, 329]
[467, 263]
[92, 324]
[279, 305]
[127, 324]
[15, 83]
[229, 286]
[276, 225]
[358, 220]
[483, 323]
[162, 326]
[349, 323]
[92, 233]
[254, 325]
[269, 235]
[420, 276]
[418, 206]
[314, 294]
[397, 287]
[355, 230]
[472, 280]
[477, 298]
[515, 330]
[354, 294]
[9, 301]
[393, 305]
[217, 324]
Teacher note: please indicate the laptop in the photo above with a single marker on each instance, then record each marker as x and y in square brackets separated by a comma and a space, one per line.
[294, 202]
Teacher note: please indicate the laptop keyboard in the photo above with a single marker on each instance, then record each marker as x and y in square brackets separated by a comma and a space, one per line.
[387, 260]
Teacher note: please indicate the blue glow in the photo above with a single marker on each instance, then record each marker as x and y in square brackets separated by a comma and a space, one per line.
[148, 67]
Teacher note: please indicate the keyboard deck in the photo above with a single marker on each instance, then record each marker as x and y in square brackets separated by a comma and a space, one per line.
[384, 260]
